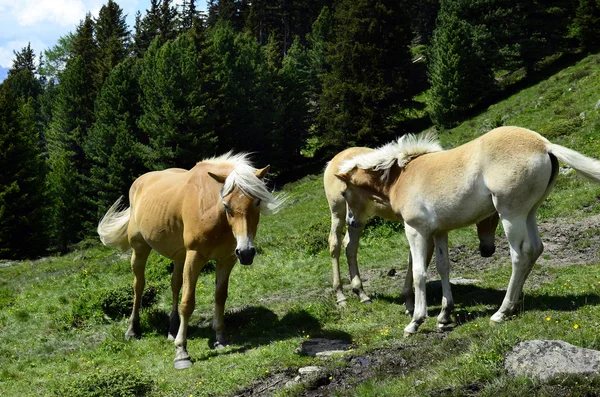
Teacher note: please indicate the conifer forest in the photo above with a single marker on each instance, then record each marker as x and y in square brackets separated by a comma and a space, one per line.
[290, 81]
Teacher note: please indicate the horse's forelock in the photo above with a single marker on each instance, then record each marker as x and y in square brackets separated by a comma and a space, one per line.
[244, 178]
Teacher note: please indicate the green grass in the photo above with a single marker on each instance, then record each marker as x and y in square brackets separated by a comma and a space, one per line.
[62, 319]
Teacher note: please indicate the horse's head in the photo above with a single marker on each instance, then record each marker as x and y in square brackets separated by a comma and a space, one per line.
[242, 204]
[363, 187]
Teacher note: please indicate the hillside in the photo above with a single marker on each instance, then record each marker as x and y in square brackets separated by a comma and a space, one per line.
[62, 319]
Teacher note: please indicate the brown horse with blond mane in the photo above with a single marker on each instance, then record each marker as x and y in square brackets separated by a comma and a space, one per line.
[210, 212]
[508, 171]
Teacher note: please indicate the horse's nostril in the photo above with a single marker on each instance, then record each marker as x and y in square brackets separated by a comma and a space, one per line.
[237, 252]
[253, 251]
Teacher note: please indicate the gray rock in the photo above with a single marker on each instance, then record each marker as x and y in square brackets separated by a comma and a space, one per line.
[544, 359]
[597, 105]
[323, 347]
[311, 369]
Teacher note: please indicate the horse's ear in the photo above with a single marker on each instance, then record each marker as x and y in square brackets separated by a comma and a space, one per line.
[218, 178]
[260, 174]
[343, 177]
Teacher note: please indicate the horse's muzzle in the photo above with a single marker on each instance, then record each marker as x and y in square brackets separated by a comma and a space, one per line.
[246, 255]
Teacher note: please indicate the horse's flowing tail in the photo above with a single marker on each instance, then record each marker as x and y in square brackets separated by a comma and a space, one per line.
[586, 166]
[113, 227]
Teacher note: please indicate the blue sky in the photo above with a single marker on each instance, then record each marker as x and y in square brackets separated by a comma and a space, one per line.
[42, 22]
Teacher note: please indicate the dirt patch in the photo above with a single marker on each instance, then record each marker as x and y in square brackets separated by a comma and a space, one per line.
[565, 243]
[346, 372]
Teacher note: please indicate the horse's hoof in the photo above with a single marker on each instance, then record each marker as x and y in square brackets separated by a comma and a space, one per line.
[445, 327]
[219, 345]
[408, 334]
[341, 302]
[131, 335]
[170, 336]
[496, 319]
[366, 300]
[183, 363]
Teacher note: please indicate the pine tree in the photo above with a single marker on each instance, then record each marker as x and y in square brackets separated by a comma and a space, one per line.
[587, 23]
[458, 75]
[72, 117]
[167, 21]
[115, 144]
[23, 232]
[370, 61]
[188, 15]
[112, 37]
[177, 110]
[147, 28]
[21, 75]
[56, 57]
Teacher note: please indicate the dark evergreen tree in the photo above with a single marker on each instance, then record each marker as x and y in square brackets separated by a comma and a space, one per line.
[146, 28]
[177, 110]
[370, 61]
[458, 75]
[22, 80]
[23, 231]
[587, 23]
[112, 37]
[72, 117]
[188, 15]
[115, 145]
[168, 21]
[244, 106]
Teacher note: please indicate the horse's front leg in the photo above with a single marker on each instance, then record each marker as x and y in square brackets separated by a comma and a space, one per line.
[338, 215]
[443, 268]
[176, 283]
[356, 224]
[191, 270]
[420, 246]
[224, 267]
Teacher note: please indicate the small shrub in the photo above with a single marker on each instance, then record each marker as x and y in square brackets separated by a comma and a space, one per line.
[379, 227]
[7, 298]
[562, 127]
[115, 383]
[117, 302]
[315, 239]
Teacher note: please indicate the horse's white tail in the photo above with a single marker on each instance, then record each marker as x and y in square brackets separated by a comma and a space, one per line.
[113, 227]
[586, 166]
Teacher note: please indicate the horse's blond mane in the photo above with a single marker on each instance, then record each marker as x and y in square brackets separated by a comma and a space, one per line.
[399, 152]
[243, 177]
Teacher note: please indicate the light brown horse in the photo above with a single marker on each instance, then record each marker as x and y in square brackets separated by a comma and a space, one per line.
[354, 207]
[210, 212]
[509, 171]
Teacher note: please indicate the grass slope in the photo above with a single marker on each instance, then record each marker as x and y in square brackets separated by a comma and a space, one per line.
[62, 319]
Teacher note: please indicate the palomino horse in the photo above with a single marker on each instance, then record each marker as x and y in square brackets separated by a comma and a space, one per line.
[509, 171]
[363, 205]
[210, 212]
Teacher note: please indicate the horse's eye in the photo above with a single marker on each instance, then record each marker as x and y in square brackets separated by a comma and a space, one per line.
[228, 209]
[256, 202]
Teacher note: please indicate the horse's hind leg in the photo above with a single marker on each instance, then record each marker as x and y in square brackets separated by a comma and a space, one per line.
[139, 256]
[486, 230]
[443, 268]
[176, 282]
[222, 284]
[525, 247]
[338, 221]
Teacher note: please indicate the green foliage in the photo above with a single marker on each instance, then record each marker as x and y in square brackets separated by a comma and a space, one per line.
[117, 302]
[177, 112]
[587, 22]
[314, 239]
[358, 102]
[118, 382]
[112, 37]
[458, 73]
[23, 203]
[115, 145]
